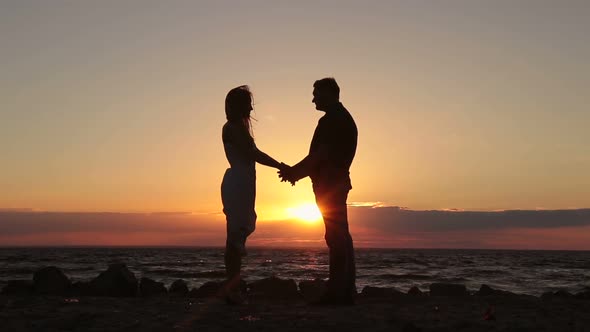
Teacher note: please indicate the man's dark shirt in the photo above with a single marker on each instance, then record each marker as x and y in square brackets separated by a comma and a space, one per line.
[337, 131]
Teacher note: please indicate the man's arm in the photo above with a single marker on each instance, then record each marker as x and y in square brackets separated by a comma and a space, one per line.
[309, 163]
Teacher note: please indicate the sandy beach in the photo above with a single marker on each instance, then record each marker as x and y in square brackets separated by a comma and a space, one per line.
[376, 310]
[116, 300]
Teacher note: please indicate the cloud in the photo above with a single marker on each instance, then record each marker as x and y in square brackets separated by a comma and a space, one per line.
[371, 226]
[30, 222]
[16, 210]
[510, 229]
[396, 219]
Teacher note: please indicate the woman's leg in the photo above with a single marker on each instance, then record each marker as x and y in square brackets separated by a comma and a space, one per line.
[233, 263]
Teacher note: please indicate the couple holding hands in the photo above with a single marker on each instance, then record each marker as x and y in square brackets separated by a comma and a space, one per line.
[330, 155]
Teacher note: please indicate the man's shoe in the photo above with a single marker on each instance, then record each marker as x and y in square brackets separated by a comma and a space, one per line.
[235, 297]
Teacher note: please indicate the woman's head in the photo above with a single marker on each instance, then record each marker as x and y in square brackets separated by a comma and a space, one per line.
[238, 104]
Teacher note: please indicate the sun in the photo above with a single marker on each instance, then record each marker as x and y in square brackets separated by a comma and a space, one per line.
[308, 212]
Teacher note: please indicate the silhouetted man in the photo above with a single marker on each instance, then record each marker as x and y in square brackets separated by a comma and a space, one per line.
[330, 155]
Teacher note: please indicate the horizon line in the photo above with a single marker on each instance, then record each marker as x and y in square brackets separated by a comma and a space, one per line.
[262, 247]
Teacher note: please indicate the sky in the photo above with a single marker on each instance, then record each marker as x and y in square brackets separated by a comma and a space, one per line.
[111, 114]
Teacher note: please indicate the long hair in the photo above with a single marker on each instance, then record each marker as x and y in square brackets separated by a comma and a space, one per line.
[237, 103]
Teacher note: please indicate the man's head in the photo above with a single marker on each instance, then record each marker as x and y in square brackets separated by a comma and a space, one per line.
[326, 93]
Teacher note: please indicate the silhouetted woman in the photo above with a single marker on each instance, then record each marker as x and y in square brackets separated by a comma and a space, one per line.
[238, 189]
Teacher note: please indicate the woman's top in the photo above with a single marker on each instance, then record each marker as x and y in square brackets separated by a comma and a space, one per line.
[239, 149]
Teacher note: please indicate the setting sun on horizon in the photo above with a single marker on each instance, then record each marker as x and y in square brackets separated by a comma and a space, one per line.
[307, 212]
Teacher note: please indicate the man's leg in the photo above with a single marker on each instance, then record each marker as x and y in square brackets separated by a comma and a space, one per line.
[332, 204]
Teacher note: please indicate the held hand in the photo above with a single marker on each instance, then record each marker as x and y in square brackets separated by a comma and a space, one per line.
[283, 167]
[285, 174]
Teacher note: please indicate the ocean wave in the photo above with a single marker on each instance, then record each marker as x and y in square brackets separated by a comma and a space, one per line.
[518, 271]
[186, 274]
[11, 271]
[175, 264]
[15, 258]
[80, 269]
[408, 276]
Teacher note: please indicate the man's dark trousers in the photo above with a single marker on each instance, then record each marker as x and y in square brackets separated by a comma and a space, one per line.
[331, 201]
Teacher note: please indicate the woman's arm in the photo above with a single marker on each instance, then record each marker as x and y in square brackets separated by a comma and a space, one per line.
[264, 159]
[243, 142]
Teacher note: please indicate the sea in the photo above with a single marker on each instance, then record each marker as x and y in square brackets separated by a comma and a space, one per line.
[519, 271]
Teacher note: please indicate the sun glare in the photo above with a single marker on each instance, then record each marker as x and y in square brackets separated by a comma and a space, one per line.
[306, 212]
